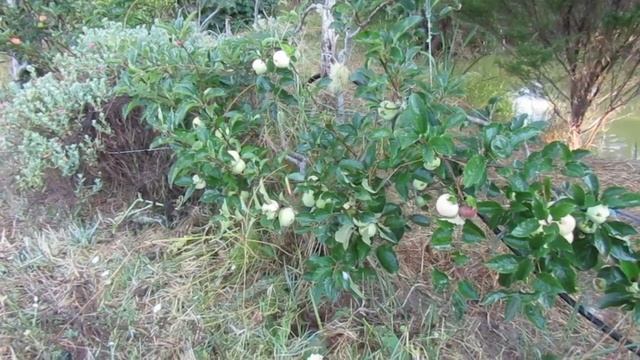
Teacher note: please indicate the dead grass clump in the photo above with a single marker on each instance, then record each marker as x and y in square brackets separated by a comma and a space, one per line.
[126, 161]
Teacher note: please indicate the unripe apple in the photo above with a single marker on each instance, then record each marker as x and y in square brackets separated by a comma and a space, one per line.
[598, 214]
[198, 182]
[388, 109]
[467, 212]
[447, 205]
[308, 199]
[419, 185]
[433, 164]
[281, 59]
[238, 165]
[567, 224]
[568, 237]
[587, 227]
[286, 217]
[259, 66]
[321, 203]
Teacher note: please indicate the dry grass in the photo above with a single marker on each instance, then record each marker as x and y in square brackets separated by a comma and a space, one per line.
[143, 291]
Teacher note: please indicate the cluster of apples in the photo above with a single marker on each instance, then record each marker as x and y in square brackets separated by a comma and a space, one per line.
[280, 60]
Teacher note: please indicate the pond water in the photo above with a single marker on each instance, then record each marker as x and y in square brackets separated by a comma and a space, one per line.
[622, 137]
[619, 140]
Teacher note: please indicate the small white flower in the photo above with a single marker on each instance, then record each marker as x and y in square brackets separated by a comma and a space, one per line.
[157, 308]
[315, 357]
[197, 122]
[95, 259]
[105, 273]
[281, 59]
[259, 66]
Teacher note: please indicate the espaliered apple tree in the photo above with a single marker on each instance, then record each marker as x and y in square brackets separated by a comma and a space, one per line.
[345, 184]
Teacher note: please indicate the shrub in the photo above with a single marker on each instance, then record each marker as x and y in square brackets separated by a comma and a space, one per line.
[36, 31]
[58, 121]
[342, 183]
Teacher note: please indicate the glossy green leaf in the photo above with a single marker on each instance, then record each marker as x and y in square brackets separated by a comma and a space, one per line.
[439, 280]
[547, 283]
[504, 264]
[513, 307]
[442, 236]
[443, 145]
[619, 198]
[420, 219]
[501, 146]
[564, 273]
[535, 315]
[526, 228]
[475, 171]
[467, 290]
[615, 299]
[562, 208]
[493, 297]
[387, 258]
[471, 233]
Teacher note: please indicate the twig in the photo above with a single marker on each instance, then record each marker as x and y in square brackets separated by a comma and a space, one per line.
[136, 151]
[306, 12]
[210, 17]
[477, 120]
[299, 160]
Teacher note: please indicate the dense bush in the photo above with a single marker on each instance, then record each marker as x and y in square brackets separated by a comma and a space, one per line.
[341, 182]
[256, 145]
[36, 31]
[49, 120]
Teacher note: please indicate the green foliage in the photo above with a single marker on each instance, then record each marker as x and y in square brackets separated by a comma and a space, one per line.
[35, 31]
[340, 179]
[48, 120]
[240, 11]
[210, 108]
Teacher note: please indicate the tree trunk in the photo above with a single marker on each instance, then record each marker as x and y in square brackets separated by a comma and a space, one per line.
[329, 38]
[575, 124]
[575, 140]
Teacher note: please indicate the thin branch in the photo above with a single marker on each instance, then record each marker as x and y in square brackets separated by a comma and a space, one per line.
[369, 18]
[210, 17]
[477, 120]
[306, 12]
